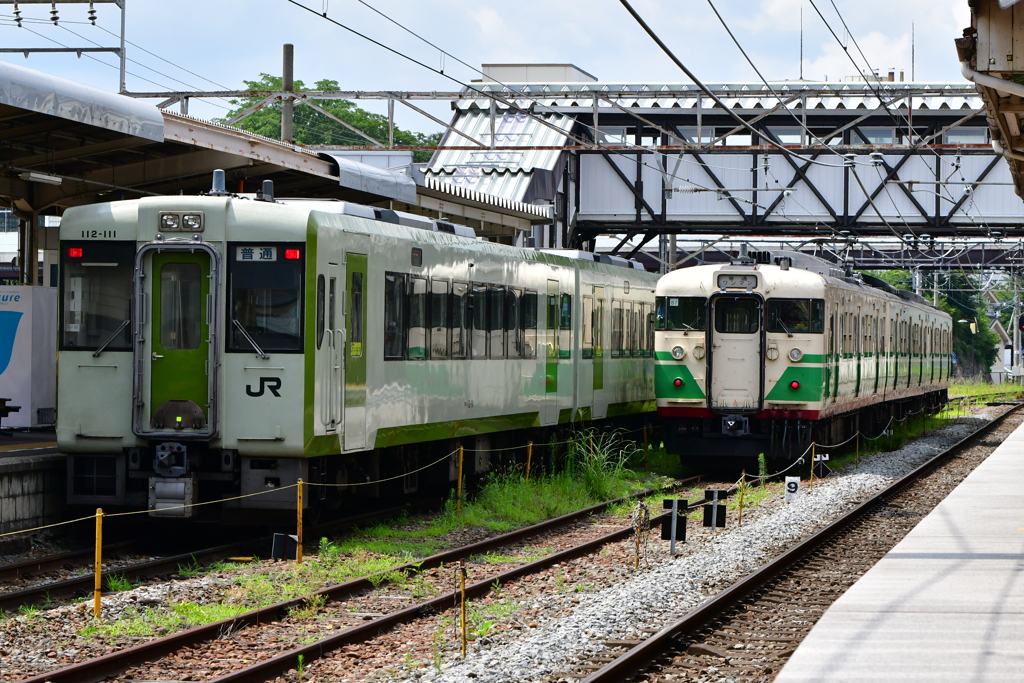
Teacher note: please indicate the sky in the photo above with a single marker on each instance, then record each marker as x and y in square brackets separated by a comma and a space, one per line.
[215, 44]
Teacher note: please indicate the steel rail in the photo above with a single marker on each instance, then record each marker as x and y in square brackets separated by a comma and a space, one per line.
[82, 585]
[641, 656]
[115, 663]
[50, 562]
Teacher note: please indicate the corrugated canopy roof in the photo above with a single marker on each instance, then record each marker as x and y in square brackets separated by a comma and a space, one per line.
[856, 95]
[44, 93]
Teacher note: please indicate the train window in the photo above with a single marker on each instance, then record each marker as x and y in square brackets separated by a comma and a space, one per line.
[565, 326]
[439, 318]
[319, 310]
[356, 316]
[332, 293]
[416, 337]
[181, 313]
[644, 319]
[394, 316]
[628, 331]
[528, 323]
[736, 316]
[514, 341]
[551, 330]
[459, 319]
[792, 316]
[96, 291]
[588, 327]
[478, 315]
[496, 321]
[599, 322]
[616, 328]
[682, 313]
[265, 300]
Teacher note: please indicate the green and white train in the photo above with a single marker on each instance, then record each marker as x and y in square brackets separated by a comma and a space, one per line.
[767, 354]
[218, 346]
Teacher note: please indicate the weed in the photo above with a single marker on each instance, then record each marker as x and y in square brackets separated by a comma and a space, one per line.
[118, 582]
[436, 645]
[312, 605]
[29, 610]
[88, 631]
[191, 569]
[301, 668]
[762, 468]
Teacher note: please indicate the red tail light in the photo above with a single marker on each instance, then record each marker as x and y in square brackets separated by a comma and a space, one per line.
[75, 252]
[292, 254]
[794, 385]
[678, 382]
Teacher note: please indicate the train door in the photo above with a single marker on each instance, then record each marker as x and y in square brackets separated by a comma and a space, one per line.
[736, 363]
[175, 390]
[334, 347]
[353, 351]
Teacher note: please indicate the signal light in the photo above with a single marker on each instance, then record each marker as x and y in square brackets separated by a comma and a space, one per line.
[794, 385]
[292, 254]
[1020, 323]
[75, 252]
[678, 381]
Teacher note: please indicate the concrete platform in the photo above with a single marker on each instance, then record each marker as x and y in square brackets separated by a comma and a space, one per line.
[946, 604]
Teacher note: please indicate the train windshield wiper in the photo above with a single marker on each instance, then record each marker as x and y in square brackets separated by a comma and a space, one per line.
[97, 352]
[259, 351]
[783, 326]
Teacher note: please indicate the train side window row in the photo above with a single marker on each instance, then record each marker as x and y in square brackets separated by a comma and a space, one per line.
[441, 319]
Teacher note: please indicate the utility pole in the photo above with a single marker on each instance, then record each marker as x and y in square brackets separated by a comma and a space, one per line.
[288, 106]
[935, 292]
[1015, 361]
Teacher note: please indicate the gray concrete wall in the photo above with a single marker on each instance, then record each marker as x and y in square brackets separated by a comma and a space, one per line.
[32, 491]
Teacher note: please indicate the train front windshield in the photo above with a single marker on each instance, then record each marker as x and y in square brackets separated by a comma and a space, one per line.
[265, 290]
[96, 295]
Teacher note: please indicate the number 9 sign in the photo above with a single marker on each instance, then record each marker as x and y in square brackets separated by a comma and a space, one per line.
[792, 488]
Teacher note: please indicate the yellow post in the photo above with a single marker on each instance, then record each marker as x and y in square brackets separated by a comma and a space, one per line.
[646, 465]
[529, 457]
[813, 447]
[298, 542]
[97, 591]
[458, 486]
[743, 487]
[462, 587]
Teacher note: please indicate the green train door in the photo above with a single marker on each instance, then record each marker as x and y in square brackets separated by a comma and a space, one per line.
[179, 386]
[355, 351]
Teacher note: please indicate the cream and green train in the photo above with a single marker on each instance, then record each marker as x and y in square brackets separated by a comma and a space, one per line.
[219, 346]
[766, 357]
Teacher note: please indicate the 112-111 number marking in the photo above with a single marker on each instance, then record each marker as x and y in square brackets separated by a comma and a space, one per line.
[105, 234]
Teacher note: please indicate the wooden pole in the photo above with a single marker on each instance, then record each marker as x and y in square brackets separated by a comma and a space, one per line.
[458, 486]
[298, 527]
[97, 591]
[529, 457]
[462, 588]
[813, 448]
[743, 487]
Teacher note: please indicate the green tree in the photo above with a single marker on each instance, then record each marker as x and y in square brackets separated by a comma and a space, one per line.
[313, 128]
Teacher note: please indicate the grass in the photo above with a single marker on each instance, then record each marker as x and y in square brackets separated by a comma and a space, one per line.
[117, 583]
[983, 388]
[149, 622]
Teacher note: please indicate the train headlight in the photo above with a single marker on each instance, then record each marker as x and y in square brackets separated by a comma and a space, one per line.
[698, 351]
[795, 355]
[170, 221]
[678, 352]
[193, 222]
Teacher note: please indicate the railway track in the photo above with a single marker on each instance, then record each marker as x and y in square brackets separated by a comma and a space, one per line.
[747, 632]
[81, 562]
[150, 655]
